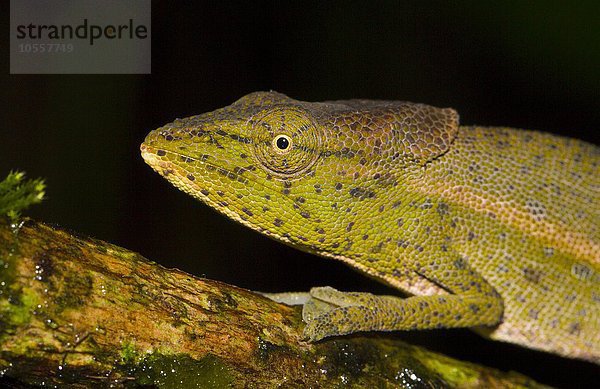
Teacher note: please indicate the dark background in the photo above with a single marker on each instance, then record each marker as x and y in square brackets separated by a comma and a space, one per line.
[522, 64]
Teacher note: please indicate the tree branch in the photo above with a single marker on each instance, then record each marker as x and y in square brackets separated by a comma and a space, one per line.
[79, 311]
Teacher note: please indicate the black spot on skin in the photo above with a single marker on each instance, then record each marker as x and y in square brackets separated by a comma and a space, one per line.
[349, 226]
[239, 196]
[243, 156]
[317, 188]
[278, 222]
[476, 285]
[474, 308]
[320, 231]
[382, 208]
[338, 186]
[265, 209]
[285, 191]
[403, 243]
[161, 153]
[363, 161]
[321, 240]
[220, 193]
[571, 297]
[191, 177]
[267, 197]
[376, 176]
[396, 204]
[470, 236]
[348, 246]
[361, 193]
[301, 200]
[574, 328]
[427, 204]
[532, 275]
[247, 211]
[377, 249]
[223, 204]
[204, 192]
[460, 263]
[305, 215]
[365, 237]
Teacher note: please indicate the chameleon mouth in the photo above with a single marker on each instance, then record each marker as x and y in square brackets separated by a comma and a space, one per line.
[148, 153]
[150, 157]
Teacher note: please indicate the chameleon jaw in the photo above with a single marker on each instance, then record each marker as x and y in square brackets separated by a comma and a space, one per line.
[149, 155]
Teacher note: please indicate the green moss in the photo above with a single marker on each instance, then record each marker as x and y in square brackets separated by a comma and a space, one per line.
[361, 362]
[16, 309]
[128, 353]
[75, 290]
[21, 313]
[173, 371]
[17, 194]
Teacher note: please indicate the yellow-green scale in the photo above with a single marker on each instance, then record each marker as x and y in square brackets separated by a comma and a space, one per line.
[536, 251]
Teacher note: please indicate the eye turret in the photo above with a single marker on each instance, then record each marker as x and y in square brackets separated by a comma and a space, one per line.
[286, 141]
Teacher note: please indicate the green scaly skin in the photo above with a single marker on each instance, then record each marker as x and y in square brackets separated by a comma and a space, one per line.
[493, 228]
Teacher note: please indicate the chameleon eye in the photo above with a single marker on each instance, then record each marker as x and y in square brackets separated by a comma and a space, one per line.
[282, 142]
[286, 141]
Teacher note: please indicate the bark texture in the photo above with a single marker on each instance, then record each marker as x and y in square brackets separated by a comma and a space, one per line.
[79, 312]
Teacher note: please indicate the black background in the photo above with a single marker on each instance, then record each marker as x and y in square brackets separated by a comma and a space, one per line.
[522, 64]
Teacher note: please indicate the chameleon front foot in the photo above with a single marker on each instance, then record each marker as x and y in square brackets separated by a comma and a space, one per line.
[330, 312]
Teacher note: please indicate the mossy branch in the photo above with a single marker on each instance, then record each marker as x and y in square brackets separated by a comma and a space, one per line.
[79, 311]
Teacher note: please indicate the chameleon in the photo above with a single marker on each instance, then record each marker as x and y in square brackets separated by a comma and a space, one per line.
[491, 228]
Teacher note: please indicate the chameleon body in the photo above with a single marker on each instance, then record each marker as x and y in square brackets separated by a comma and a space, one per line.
[492, 228]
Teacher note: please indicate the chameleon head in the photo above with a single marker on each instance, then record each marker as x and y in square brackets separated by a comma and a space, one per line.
[247, 160]
[303, 173]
